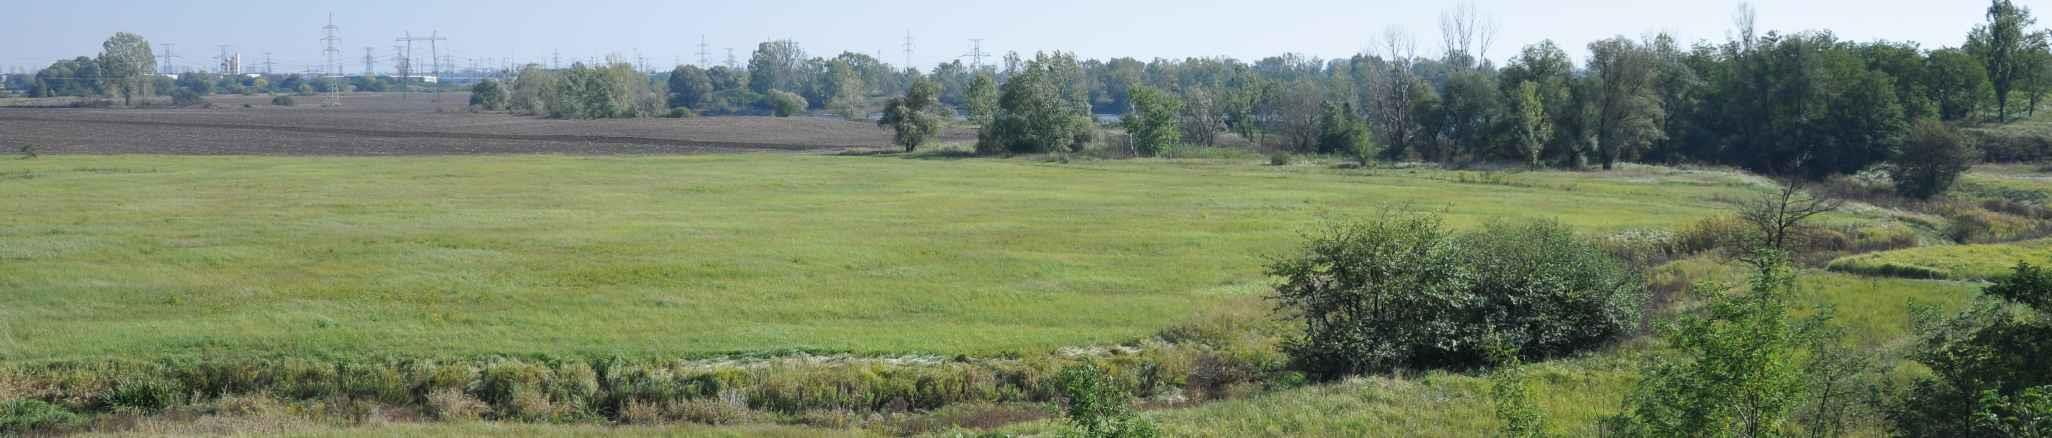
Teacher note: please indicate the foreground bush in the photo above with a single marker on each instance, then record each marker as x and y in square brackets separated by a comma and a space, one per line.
[1402, 292]
[1735, 368]
[1989, 366]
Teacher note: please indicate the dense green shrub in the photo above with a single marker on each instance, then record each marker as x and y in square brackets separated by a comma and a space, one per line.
[488, 95]
[2005, 146]
[1546, 291]
[21, 417]
[1403, 292]
[785, 103]
[187, 97]
[1934, 156]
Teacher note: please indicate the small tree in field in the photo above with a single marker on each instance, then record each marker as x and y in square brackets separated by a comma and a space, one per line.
[1155, 121]
[1738, 367]
[1097, 407]
[913, 118]
[1933, 158]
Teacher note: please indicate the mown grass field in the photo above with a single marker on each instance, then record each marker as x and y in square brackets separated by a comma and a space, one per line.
[158, 256]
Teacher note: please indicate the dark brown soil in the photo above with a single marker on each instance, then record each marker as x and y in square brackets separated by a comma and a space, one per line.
[394, 124]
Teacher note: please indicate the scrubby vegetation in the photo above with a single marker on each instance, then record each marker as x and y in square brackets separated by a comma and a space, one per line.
[1404, 293]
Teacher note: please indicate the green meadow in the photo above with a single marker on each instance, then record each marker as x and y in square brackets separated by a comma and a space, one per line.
[162, 256]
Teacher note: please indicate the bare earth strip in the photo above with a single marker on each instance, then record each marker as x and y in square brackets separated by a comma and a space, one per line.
[392, 124]
[54, 135]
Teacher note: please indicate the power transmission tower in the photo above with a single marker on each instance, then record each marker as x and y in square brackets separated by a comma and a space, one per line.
[399, 63]
[329, 38]
[434, 57]
[267, 63]
[704, 59]
[370, 61]
[731, 63]
[976, 54]
[168, 68]
[908, 48]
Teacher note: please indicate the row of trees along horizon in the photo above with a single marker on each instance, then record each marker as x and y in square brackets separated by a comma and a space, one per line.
[1770, 102]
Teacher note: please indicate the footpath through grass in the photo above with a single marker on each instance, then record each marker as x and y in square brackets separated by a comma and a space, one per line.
[154, 256]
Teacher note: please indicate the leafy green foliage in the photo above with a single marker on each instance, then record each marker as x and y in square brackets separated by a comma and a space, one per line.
[785, 103]
[1931, 160]
[1511, 392]
[488, 95]
[1627, 111]
[689, 86]
[1343, 133]
[2003, 46]
[1737, 366]
[613, 90]
[913, 118]
[125, 64]
[1155, 123]
[23, 417]
[981, 99]
[1403, 292]
[1096, 407]
[1036, 112]
[778, 65]
[1985, 364]
[69, 77]
[2026, 414]
[187, 97]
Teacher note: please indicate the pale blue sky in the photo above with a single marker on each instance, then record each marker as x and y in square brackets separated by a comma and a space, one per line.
[36, 32]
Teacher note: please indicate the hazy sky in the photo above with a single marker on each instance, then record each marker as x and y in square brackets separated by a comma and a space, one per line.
[37, 32]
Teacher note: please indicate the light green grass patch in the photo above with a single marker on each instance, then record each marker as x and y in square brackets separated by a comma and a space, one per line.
[1960, 262]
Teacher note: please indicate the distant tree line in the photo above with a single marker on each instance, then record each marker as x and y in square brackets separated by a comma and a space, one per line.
[1804, 102]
